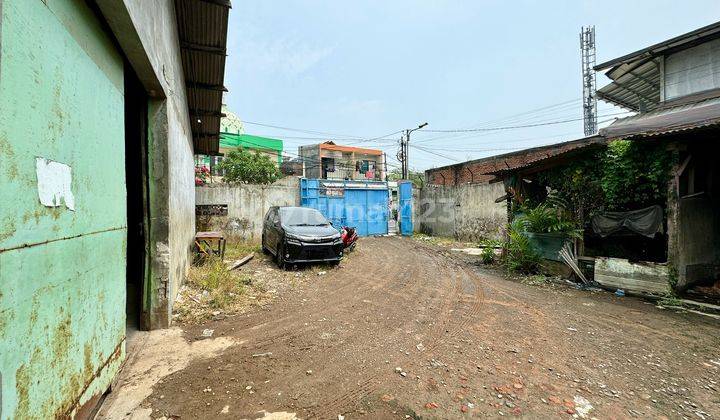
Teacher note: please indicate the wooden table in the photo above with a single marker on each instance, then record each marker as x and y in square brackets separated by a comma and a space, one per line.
[210, 243]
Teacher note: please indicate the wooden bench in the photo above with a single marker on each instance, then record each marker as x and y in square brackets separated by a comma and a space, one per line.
[210, 243]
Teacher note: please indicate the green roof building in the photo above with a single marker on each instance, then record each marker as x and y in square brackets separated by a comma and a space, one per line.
[232, 136]
[271, 147]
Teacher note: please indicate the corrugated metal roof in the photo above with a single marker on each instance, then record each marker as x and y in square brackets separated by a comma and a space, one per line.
[202, 29]
[494, 165]
[635, 87]
[636, 77]
[541, 155]
[669, 120]
[679, 42]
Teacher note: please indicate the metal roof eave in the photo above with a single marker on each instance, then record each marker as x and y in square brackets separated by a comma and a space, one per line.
[684, 117]
[202, 32]
[679, 42]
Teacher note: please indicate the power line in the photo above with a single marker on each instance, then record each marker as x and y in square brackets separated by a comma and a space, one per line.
[458, 133]
[335, 136]
[434, 152]
[300, 130]
[511, 127]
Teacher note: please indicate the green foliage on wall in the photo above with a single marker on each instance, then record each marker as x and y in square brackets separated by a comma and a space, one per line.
[635, 174]
[242, 166]
[627, 175]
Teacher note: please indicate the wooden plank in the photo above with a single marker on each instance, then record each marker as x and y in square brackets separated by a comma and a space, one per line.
[657, 287]
[239, 263]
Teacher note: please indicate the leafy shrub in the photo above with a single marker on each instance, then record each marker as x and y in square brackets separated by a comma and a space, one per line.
[546, 218]
[241, 166]
[487, 255]
[520, 256]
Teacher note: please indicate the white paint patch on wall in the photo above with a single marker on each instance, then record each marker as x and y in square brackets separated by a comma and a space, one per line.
[54, 180]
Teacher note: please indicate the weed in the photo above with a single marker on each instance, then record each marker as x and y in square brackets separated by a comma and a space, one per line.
[670, 299]
[487, 255]
[236, 250]
[222, 285]
[535, 280]
[520, 256]
[435, 240]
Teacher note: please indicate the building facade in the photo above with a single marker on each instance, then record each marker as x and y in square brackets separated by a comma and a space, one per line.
[675, 88]
[99, 119]
[233, 137]
[331, 161]
[478, 171]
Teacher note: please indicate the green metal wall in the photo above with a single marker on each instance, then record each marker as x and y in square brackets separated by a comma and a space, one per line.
[62, 272]
[247, 141]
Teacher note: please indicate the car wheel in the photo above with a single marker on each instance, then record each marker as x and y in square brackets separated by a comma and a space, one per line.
[280, 258]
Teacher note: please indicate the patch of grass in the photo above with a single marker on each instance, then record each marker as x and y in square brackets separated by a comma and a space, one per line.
[535, 280]
[671, 299]
[237, 250]
[435, 240]
[223, 286]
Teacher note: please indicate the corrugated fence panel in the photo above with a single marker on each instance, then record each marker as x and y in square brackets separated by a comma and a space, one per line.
[359, 204]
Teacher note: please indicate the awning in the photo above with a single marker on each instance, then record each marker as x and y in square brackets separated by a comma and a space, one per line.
[202, 29]
[636, 76]
[635, 86]
[666, 121]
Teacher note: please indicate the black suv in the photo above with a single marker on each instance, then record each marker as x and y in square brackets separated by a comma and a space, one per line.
[300, 235]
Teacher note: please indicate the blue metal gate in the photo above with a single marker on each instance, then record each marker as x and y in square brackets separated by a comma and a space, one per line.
[359, 204]
[405, 207]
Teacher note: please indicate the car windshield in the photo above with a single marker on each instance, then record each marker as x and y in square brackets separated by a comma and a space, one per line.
[298, 216]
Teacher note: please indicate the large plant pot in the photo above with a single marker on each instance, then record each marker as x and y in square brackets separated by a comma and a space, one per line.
[548, 245]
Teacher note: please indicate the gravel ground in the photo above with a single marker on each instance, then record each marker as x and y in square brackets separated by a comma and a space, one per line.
[406, 329]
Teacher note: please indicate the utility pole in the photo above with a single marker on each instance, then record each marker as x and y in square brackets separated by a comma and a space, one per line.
[401, 155]
[405, 149]
[587, 47]
[385, 166]
[406, 146]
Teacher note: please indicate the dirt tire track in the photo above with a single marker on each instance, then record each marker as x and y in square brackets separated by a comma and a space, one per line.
[351, 327]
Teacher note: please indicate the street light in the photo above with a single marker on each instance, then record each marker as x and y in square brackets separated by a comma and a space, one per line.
[406, 150]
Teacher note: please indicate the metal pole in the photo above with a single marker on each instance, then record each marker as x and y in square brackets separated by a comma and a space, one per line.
[385, 164]
[406, 162]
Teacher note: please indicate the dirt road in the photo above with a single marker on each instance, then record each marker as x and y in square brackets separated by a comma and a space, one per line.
[467, 342]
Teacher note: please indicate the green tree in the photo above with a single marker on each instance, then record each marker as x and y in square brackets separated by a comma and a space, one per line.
[244, 167]
[417, 178]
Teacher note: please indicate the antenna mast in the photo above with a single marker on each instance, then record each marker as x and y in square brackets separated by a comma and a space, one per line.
[587, 46]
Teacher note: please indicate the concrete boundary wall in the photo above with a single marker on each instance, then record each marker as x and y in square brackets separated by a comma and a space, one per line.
[246, 205]
[464, 212]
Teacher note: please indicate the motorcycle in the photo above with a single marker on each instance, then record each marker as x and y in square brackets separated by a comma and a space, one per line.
[349, 237]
